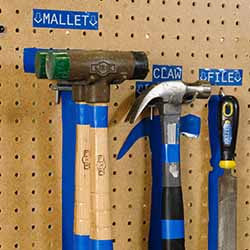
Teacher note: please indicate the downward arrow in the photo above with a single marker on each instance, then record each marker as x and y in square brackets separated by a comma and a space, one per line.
[38, 18]
[203, 76]
[93, 21]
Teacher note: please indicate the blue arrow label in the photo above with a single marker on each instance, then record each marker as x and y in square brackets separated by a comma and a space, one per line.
[65, 19]
[163, 73]
[141, 86]
[226, 77]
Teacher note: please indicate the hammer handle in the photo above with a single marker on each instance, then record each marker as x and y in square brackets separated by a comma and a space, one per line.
[100, 229]
[172, 215]
[82, 181]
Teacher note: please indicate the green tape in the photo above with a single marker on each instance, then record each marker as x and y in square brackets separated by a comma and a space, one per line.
[58, 65]
[40, 62]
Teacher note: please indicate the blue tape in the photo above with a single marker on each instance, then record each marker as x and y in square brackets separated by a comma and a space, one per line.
[171, 153]
[172, 229]
[213, 189]
[101, 244]
[81, 242]
[83, 114]
[99, 117]
[29, 56]
[190, 125]
[68, 170]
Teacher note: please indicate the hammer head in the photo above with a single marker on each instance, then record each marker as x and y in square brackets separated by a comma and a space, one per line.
[92, 66]
[175, 93]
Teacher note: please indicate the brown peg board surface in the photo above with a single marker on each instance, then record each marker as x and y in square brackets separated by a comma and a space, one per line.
[194, 34]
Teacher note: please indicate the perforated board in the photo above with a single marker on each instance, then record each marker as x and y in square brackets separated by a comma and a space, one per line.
[194, 34]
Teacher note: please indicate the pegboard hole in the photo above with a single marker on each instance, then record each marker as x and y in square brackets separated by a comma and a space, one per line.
[17, 30]
[16, 245]
[237, 6]
[163, 19]
[116, 17]
[50, 226]
[17, 11]
[237, 23]
[193, 4]
[178, 3]
[129, 223]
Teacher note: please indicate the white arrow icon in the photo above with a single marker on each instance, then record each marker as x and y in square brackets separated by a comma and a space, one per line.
[203, 76]
[93, 20]
[38, 18]
[238, 77]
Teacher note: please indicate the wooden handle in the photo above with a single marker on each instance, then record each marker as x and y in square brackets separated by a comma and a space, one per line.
[100, 185]
[82, 181]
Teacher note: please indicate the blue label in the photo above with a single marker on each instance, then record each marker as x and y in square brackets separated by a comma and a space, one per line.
[227, 77]
[141, 86]
[227, 133]
[166, 73]
[65, 19]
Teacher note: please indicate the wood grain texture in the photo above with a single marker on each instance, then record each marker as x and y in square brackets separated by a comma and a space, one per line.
[82, 180]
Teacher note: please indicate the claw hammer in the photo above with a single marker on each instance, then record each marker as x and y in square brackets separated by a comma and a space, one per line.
[96, 71]
[169, 97]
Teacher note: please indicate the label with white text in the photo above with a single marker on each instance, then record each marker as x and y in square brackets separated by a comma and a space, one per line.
[60, 19]
[226, 77]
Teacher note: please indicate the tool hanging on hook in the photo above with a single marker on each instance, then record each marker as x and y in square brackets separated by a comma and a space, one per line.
[228, 119]
[95, 71]
[168, 97]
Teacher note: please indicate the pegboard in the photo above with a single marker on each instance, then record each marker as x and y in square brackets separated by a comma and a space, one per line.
[194, 34]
